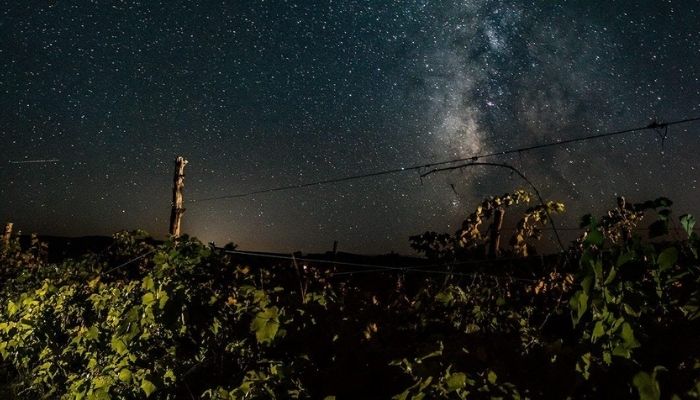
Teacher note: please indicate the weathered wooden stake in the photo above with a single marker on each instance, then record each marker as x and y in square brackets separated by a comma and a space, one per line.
[7, 235]
[178, 199]
[495, 249]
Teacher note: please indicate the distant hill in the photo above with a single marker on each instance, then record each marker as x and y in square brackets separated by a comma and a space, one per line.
[61, 248]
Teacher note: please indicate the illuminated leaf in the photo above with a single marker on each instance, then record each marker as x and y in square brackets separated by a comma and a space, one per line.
[125, 375]
[598, 331]
[583, 365]
[93, 333]
[265, 325]
[162, 299]
[148, 299]
[456, 381]
[492, 377]
[147, 283]
[688, 223]
[11, 308]
[147, 387]
[169, 376]
[647, 386]
[629, 341]
[118, 345]
[102, 382]
[579, 305]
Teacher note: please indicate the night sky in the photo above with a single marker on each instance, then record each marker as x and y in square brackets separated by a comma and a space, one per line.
[258, 94]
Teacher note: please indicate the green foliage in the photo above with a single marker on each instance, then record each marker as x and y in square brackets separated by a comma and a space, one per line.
[471, 239]
[688, 223]
[135, 336]
[647, 385]
[626, 295]
[266, 324]
[433, 380]
[182, 320]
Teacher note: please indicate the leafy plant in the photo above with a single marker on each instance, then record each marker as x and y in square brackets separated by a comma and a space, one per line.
[616, 318]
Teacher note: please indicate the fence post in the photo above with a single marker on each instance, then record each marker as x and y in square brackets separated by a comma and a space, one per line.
[495, 250]
[178, 199]
[7, 235]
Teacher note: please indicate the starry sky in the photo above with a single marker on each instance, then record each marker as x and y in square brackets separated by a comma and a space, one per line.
[259, 94]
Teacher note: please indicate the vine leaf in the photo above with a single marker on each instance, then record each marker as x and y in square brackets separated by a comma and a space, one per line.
[598, 331]
[265, 325]
[629, 342]
[169, 375]
[148, 299]
[118, 345]
[456, 381]
[11, 308]
[579, 304]
[147, 283]
[594, 238]
[583, 366]
[647, 386]
[688, 223]
[492, 377]
[628, 336]
[125, 375]
[148, 387]
[667, 258]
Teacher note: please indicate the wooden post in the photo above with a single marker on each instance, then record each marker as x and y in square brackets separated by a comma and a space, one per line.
[178, 200]
[7, 235]
[494, 246]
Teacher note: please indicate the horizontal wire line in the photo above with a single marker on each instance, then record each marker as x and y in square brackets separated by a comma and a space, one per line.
[311, 260]
[129, 262]
[440, 272]
[384, 268]
[376, 268]
[653, 125]
[473, 274]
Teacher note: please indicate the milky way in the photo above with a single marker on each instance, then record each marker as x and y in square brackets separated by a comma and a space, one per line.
[266, 94]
